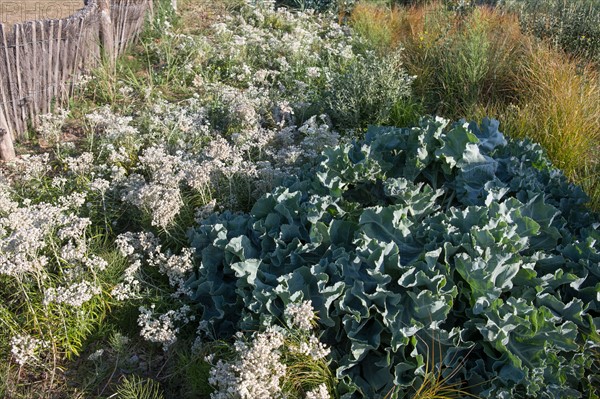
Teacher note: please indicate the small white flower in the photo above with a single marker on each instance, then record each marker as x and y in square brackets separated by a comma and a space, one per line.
[300, 315]
[96, 355]
[74, 295]
[313, 348]
[100, 185]
[25, 348]
[162, 329]
[313, 72]
[319, 392]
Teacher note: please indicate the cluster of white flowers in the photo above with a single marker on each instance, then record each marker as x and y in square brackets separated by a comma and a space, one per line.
[27, 231]
[81, 164]
[27, 168]
[49, 126]
[163, 202]
[47, 246]
[313, 348]
[133, 246]
[163, 329]
[136, 244]
[320, 392]
[100, 185]
[258, 369]
[145, 247]
[300, 315]
[241, 106]
[75, 294]
[112, 125]
[316, 136]
[160, 195]
[256, 373]
[130, 286]
[165, 120]
[176, 267]
[73, 201]
[96, 355]
[7, 205]
[25, 348]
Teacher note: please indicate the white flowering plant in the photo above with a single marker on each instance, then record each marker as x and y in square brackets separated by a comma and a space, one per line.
[285, 361]
[99, 226]
[52, 277]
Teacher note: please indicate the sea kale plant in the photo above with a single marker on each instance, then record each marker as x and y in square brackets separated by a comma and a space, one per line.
[438, 247]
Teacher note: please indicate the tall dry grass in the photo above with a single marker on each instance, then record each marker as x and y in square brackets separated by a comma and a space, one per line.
[380, 25]
[462, 62]
[560, 109]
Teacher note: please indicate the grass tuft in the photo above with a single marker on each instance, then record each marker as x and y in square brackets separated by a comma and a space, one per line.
[135, 387]
[560, 110]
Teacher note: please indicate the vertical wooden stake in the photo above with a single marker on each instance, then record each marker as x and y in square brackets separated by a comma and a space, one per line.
[174, 4]
[107, 31]
[7, 149]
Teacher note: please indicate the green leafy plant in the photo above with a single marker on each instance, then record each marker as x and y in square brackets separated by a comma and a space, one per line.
[450, 234]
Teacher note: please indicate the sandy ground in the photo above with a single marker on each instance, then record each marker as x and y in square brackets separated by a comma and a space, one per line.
[12, 11]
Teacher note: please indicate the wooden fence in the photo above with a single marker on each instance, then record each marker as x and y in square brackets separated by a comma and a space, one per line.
[42, 61]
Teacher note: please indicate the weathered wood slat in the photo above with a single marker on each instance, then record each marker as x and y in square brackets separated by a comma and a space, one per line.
[43, 73]
[76, 45]
[27, 71]
[10, 80]
[126, 25]
[57, 61]
[5, 96]
[63, 69]
[50, 92]
[18, 44]
[35, 69]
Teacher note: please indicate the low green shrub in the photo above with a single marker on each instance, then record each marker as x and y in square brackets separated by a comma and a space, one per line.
[372, 90]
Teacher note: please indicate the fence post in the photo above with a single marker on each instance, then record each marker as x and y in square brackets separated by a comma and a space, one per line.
[106, 31]
[174, 4]
[151, 7]
[7, 149]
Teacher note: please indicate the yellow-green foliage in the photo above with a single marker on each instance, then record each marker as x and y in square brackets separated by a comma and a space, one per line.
[461, 61]
[380, 25]
[560, 109]
[135, 387]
